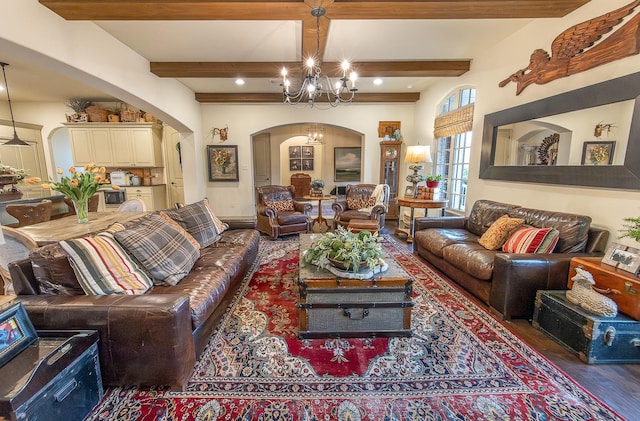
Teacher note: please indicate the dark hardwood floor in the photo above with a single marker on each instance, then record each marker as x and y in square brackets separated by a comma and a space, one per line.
[617, 385]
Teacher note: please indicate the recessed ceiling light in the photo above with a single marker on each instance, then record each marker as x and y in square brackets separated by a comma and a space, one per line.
[377, 81]
[409, 86]
[240, 82]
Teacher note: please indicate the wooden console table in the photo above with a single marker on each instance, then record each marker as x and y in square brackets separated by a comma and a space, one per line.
[68, 227]
[415, 204]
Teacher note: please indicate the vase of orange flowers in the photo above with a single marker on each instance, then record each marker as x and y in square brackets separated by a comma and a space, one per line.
[79, 186]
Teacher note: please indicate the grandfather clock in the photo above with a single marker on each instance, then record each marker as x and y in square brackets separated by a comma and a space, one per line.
[390, 172]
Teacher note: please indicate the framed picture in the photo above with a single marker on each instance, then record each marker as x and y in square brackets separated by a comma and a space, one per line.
[409, 191]
[347, 163]
[16, 332]
[223, 162]
[295, 152]
[307, 152]
[622, 257]
[295, 164]
[387, 128]
[307, 164]
[598, 153]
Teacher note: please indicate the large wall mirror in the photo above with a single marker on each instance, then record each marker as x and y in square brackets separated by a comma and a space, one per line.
[550, 141]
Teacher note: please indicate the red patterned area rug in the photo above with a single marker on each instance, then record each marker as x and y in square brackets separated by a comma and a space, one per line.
[460, 363]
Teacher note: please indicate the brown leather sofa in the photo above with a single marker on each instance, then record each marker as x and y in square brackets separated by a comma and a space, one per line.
[507, 282]
[155, 338]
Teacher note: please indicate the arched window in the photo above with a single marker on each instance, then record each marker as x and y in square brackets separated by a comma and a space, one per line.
[452, 130]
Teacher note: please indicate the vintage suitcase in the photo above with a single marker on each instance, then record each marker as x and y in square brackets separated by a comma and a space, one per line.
[56, 378]
[335, 308]
[622, 287]
[595, 339]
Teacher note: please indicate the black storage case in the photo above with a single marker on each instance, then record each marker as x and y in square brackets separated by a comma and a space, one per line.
[594, 339]
[55, 378]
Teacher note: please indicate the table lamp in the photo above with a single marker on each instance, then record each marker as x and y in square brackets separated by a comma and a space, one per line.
[417, 155]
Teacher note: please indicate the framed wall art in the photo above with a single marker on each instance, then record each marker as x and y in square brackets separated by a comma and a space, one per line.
[307, 152]
[387, 128]
[295, 152]
[295, 164]
[16, 332]
[307, 164]
[223, 162]
[347, 164]
[598, 153]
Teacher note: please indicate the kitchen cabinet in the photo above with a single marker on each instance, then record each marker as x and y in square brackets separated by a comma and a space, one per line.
[117, 144]
[390, 172]
[154, 197]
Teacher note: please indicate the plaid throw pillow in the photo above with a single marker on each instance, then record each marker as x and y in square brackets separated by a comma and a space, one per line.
[198, 220]
[166, 254]
[220, 226]
[361, 203]
[103, 267]
[280, 205]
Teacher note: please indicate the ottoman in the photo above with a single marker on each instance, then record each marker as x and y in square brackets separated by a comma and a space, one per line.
[357, 225]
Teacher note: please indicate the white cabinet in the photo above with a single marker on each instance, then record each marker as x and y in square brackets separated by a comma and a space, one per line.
[152, 196]
[117, 144]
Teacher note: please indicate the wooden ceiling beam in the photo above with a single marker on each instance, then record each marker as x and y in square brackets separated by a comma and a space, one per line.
[422, 68]
[298, 9]
[277, 98]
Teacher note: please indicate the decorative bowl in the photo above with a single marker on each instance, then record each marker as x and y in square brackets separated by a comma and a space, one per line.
[342, 266]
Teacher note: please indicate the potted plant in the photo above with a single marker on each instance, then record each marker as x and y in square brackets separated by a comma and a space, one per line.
[345, 250]
[631, 229]
[433, 180]
[316, 187]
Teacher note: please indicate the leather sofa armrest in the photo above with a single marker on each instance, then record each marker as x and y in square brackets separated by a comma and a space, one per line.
[452, 222]
[377, 210]
[339, 206]
[241, 224]
[144, 339]
[517, 278]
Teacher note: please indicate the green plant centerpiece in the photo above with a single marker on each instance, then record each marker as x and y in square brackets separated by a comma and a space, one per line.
[351, 251]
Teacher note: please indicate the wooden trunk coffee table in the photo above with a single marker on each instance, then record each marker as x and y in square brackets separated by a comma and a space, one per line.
[334, 307]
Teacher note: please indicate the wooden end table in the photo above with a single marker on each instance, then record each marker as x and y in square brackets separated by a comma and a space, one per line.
[412, 203]
[323, 225]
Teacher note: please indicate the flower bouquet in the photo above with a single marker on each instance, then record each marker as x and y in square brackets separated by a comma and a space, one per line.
[80, 186]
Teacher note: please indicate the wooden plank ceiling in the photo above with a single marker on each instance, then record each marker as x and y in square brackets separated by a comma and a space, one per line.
[158, 10]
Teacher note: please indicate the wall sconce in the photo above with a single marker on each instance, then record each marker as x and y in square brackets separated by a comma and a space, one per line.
[223, 133]
[600, 127]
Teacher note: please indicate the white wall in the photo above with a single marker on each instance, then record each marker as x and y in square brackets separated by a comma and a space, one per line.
[607, 207]
[236, 198]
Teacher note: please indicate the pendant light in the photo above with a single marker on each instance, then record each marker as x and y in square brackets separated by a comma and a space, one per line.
[15, 141]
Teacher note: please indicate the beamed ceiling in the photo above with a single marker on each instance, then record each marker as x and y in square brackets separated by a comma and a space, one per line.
[208, 44]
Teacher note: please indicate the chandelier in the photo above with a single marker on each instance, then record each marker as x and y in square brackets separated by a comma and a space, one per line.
[315, 86]
[315, 135]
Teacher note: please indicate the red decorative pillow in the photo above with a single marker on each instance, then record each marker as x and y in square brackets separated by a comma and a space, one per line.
[361, 203]
[532, 240]
[280, 205]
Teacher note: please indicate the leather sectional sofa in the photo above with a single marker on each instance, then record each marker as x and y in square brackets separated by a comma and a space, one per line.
[153, 338]
[507, 282]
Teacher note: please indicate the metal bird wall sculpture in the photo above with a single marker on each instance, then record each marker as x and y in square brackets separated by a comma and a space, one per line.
[577, 49]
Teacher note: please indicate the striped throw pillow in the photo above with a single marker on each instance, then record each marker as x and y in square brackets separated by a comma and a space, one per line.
[532, 240]
[103, 267]
[163, 251]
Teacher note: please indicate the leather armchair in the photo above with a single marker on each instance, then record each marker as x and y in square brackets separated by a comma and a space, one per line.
[279, 214]
[358, 194]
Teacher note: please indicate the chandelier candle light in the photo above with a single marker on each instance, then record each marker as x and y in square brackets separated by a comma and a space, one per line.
[417, 155]
[318, 87]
